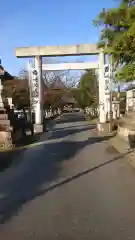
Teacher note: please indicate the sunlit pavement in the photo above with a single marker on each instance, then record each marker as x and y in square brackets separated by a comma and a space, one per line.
[68, 187]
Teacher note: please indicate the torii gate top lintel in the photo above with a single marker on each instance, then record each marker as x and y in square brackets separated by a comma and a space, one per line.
[59, 50]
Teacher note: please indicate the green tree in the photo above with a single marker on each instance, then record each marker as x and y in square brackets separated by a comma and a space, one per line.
[118, 37]
[87, 92]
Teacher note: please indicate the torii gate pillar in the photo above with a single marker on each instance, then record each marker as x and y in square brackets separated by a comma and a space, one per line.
[104, 102]
[39, 108]
[35, 85]
[102, 115]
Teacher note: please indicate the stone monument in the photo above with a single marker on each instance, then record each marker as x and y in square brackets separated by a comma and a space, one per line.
[126, 128]
[116, 108]
[5, 126]
[130, 99]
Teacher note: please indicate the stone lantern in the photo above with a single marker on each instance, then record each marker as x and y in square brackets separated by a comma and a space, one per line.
[5, 126]
[2, 72]
[116, 108]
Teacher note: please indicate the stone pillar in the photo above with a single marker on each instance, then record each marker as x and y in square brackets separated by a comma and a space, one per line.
[108, 85]
[110, 88]
[5, 125]
[102, 115]
[108, 107]
[1, 100]
[10, 102]
[30, 89]
[114, 109]
[127, 103]
[35, 78]
[114, 113]
[39, 108]
[118, 109]
[129, 99]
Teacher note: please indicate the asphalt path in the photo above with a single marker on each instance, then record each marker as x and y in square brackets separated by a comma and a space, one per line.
[71, 185]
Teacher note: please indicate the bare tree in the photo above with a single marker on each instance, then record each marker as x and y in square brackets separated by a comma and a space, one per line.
[23, 74]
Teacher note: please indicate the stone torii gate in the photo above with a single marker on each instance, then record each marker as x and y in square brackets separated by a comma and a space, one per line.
[69, 50]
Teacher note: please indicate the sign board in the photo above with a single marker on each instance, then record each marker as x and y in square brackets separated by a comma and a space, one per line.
[107, 78]
[34, 87]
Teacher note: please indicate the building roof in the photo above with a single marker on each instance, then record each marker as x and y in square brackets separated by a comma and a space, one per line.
[4, 75]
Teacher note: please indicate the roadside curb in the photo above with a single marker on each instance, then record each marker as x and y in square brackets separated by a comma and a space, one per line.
[123, 147]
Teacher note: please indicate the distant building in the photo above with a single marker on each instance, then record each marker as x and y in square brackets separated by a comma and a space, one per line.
[4, 75]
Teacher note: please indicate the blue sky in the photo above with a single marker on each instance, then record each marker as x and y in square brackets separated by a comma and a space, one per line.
[46, 22]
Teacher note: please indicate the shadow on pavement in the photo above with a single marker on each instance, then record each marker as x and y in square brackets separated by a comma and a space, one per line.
[75, 126]
[44, 168]
[71, 117]
[61, 133]
[78, 175]
[6, 159]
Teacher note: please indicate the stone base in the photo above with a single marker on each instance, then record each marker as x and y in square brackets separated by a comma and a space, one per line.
[38, 128]
[8, 134]
[127, 134]
[3, 116]
[124, 132]
[105, 127]
[126, 128]
[5, 140]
